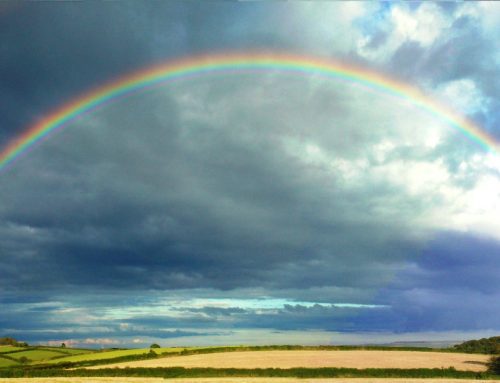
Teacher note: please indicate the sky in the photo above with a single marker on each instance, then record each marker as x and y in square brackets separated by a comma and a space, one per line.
[250, 207]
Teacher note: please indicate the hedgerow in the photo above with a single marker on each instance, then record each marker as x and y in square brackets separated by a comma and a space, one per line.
[181, 372]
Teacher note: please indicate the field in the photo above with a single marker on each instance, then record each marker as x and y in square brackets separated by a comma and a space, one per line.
[96, 356]
[4, 349]
[36, 355]
[234, 380]
[7, 362]
[316, 359]
[242, 364]
[72, 351]
[13, 356]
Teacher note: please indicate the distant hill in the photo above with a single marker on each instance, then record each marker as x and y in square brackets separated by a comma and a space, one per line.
[482, 346]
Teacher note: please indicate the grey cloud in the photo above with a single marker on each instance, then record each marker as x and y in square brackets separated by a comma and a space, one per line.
[453, 280]
[51, 52]
[212, 202]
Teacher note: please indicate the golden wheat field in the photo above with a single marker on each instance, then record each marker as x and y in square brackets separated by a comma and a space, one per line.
[235, 380]
[318, 358]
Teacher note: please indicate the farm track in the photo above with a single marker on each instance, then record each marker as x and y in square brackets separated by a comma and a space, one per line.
[316, 359]
[236, 380]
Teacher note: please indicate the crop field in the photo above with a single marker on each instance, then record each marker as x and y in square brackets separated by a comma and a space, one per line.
[237, 380]
[315, 359]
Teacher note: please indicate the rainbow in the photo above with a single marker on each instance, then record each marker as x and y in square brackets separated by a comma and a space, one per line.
[228, 63]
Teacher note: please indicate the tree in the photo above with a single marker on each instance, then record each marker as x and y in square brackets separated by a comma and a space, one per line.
[63, 345]
[494, 365]
[8, 341]
[482, 346]
[154, 345]
[24, 360]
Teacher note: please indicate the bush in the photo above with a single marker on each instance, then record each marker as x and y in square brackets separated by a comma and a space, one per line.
[482, 346]
[154, 345]
[24, 360]
[494, 365]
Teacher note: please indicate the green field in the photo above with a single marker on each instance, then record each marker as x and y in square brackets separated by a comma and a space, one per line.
[6, 362]
[111, 354]
[36, 355]
[4, 349]
[13, 356]
[70, 351]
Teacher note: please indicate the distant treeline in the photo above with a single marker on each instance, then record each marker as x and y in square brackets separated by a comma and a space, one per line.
[8, 341]
[481, 346]
[181, 372]
[207, 350]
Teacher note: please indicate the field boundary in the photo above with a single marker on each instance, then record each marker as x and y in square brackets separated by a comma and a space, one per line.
[181, 372]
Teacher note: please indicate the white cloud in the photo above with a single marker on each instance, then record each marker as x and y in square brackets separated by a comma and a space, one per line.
[464, 96]
[328, 28]
[423, 25]
[485, 13]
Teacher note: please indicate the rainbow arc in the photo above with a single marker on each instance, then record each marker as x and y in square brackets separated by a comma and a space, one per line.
[202, 65]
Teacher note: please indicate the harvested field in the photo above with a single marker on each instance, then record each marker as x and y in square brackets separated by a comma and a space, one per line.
[234, 380]
[315, 359]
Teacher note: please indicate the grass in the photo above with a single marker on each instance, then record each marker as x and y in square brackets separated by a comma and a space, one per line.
[11, 356]
[35, 355]
[4, 349]
[113, 354]
[71, 351]
[4, 362]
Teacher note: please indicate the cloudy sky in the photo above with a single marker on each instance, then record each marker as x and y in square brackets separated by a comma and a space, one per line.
[250, 207]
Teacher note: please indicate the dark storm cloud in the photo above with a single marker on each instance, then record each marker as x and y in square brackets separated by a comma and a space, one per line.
[454, 279]
[52, 52]
[172, 207]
